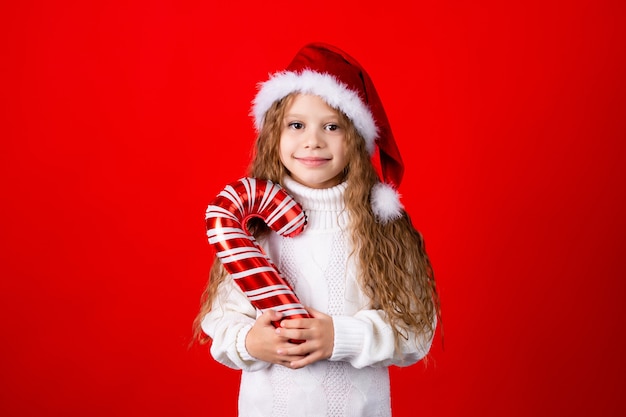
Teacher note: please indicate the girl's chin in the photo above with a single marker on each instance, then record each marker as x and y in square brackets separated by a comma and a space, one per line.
[318, 183]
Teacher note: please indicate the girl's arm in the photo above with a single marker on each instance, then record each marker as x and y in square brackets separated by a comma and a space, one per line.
[365, 339]
[227, 324]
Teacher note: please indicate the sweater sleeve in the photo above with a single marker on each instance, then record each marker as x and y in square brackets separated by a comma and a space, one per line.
[367, 339]
[227, 324]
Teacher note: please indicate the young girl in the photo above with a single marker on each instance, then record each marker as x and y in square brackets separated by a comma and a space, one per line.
[359, 267]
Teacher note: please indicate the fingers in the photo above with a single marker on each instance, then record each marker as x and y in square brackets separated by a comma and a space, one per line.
[294, 333]
[294, 352]
[315, 336]
[278, 345]
[302, 323]
[305, 329]
[261, 341]
[269, 316]
[300, 361]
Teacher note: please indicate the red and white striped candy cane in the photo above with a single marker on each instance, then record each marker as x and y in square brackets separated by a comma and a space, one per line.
[239, 252]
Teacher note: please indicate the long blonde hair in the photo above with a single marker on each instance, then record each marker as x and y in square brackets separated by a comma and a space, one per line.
[395, 271]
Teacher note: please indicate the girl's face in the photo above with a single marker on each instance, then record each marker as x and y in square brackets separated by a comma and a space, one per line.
[313, 142]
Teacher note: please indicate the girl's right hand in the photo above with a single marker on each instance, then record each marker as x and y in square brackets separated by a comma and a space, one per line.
[263, 343]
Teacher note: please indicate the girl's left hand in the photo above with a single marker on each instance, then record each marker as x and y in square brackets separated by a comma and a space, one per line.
[317, 333]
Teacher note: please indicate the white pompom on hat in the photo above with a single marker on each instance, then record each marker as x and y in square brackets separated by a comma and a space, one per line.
[330, 73]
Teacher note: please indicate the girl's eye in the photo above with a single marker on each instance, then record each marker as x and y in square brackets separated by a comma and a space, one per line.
[296, 125]
[332, 127]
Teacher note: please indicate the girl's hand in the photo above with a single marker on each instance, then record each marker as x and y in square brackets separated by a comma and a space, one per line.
[264, 343]
[318, 334]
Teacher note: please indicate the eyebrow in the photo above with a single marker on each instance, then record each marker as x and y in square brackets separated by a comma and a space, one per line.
[329, 116]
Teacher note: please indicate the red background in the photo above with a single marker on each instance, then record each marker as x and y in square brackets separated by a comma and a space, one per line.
[121, 120]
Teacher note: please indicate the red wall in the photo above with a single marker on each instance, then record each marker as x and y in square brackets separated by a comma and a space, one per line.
[120, 122]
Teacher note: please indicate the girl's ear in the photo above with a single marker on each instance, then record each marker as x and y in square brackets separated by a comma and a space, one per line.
[386, 203]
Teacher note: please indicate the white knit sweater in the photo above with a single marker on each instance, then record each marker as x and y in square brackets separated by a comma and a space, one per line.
[354, 382]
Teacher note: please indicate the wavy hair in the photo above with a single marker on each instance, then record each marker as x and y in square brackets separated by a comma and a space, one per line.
[395, 271]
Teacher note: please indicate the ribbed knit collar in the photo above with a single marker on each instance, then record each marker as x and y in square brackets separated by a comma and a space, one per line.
[324, 207]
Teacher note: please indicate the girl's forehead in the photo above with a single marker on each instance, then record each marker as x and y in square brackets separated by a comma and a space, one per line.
[302, 102]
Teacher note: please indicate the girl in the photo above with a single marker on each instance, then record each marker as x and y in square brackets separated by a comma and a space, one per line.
[360, 267]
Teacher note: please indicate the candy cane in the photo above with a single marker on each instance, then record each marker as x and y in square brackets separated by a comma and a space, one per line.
[239, 252]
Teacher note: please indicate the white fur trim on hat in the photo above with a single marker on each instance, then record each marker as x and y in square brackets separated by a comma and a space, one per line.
[386, 203]
[335, 93]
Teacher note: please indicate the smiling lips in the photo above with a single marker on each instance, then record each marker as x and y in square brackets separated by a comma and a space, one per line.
[312, 161]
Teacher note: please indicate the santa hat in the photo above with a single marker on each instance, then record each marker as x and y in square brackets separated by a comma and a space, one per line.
[330, 73]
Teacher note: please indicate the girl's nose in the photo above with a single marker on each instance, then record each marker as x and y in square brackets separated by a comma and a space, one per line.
[313, 139]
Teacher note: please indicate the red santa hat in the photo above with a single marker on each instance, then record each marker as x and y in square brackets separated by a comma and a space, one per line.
[330, 73]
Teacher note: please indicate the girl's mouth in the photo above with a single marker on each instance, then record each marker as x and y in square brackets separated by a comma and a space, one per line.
[312, 161]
